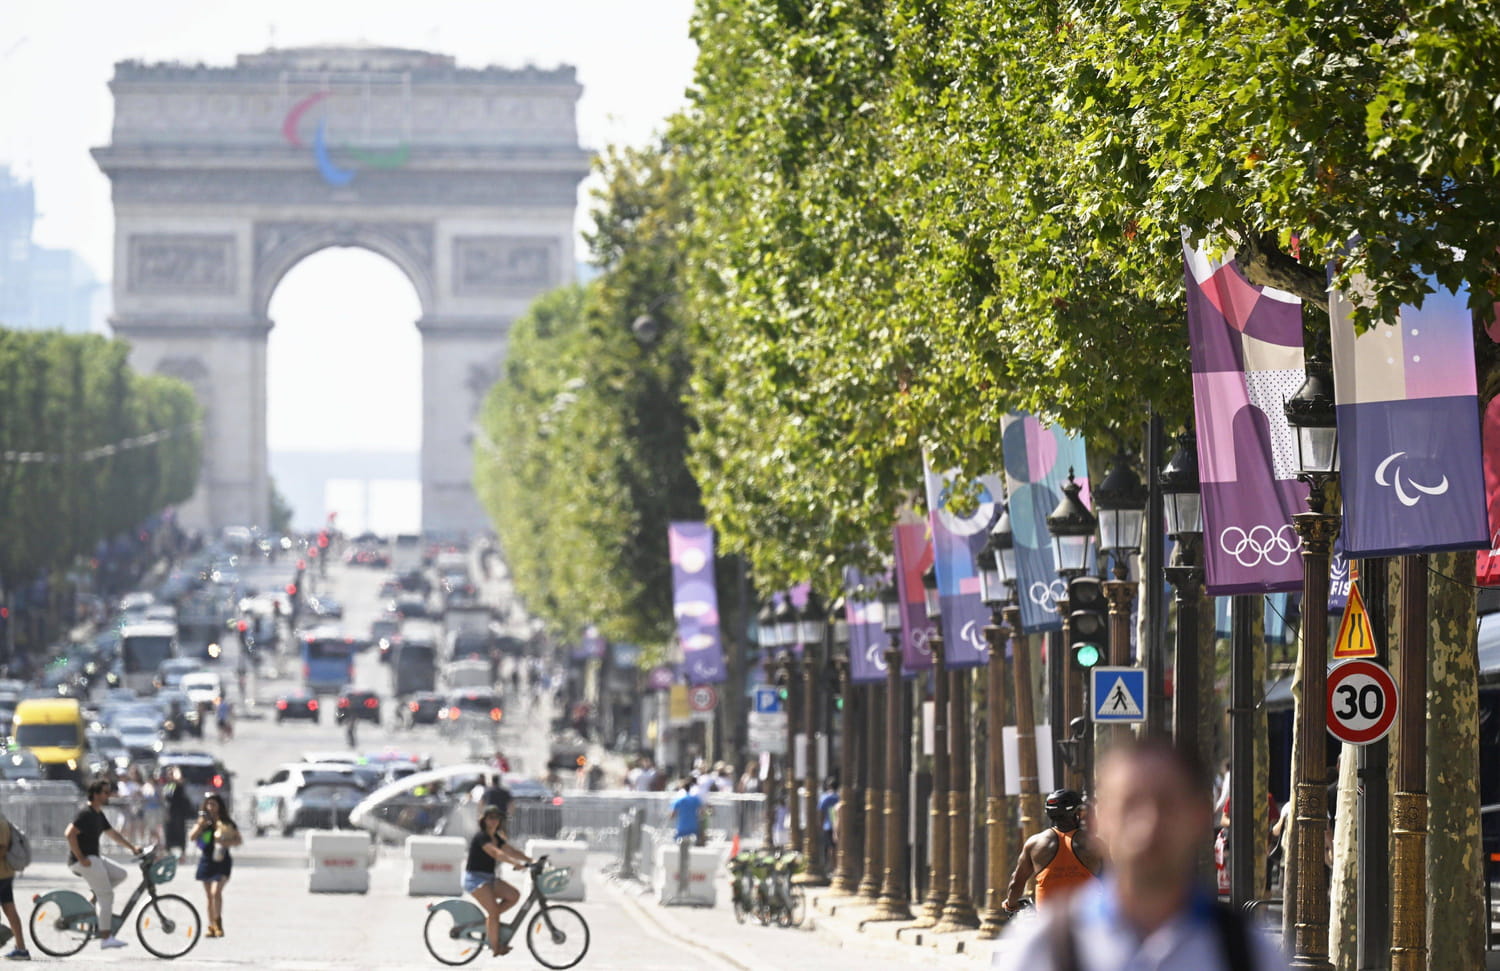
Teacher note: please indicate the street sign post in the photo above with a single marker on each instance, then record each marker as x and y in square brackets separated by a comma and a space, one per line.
[1362, 702]
[767, 721]
[1118, 695]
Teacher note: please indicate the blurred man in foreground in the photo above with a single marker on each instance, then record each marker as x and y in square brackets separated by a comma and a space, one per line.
[1153, 812]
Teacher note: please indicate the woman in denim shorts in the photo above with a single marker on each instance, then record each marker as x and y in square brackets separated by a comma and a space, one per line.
[487, 848]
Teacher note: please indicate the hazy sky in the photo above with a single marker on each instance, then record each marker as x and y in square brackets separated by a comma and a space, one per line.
[344, 354]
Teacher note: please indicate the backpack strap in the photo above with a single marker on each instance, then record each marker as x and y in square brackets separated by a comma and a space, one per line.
[1234, 938]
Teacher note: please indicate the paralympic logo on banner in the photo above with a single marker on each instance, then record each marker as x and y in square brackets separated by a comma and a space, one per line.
[957, 537]
[1037, 460]
[332, 173]
[862, 610]
[1409, 436]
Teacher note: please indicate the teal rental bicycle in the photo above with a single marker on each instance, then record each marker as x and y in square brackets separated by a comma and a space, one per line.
[63, 921]
[557, 936]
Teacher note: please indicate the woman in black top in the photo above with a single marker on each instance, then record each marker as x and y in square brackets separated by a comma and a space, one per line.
[495, 895]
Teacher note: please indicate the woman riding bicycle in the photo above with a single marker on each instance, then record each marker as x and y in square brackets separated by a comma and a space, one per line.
[495, 895]
[100, 874]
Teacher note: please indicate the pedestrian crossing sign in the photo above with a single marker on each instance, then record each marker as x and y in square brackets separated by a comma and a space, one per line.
[1118, 695]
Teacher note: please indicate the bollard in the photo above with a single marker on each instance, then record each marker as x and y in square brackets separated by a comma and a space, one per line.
[338, 861]
[435, 865]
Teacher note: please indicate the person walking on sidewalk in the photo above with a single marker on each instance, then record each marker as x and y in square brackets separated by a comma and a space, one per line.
[1153, 810]
[101, 874]
[8, 896]
[179, 811]
[486, 848]
[215, 833]
[1062, 858]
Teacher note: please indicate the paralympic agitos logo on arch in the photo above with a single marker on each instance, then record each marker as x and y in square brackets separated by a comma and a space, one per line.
[339, 173]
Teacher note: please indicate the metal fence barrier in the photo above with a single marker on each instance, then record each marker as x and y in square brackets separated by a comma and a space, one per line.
[42, 810]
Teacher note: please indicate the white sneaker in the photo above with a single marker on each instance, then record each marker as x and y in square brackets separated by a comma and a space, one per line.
[112, 942]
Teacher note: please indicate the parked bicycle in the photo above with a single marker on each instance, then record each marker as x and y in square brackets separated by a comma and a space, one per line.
[557, 936]
[742, 884]
[787, 901]
[761, 885]
[63, 921]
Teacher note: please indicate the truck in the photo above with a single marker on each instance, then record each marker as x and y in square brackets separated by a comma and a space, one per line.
[406, 554]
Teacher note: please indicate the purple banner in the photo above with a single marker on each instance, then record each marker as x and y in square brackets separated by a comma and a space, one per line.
[695, 601]
[1411, 464]
[913, 556]
[1037, 461]
[956, 539]
[867, 640]
[1247, 361]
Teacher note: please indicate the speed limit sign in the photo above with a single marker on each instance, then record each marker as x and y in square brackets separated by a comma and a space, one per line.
[1361, 702]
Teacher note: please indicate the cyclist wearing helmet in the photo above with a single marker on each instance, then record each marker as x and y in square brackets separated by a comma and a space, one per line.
[1062, 858]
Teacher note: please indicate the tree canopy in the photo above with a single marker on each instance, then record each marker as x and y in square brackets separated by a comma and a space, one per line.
[88, 448]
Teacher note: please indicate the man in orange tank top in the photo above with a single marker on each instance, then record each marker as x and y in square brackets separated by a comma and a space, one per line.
[1062, 858]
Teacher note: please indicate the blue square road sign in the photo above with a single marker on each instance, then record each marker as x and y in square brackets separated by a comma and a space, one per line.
[1117, 695]
[767, 700]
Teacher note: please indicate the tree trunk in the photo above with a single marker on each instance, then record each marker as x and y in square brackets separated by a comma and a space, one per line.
[1343, 910]
[1456, 921]
[1262, 767]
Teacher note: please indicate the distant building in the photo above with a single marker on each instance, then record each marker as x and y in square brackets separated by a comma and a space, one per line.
[41, 288]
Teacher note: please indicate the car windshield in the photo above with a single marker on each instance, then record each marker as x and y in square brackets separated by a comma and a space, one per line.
[47, 736]
[106, 740]
[477, 702]
[329, 779]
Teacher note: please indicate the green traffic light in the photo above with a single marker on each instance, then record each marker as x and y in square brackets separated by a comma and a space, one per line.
[1087, 655]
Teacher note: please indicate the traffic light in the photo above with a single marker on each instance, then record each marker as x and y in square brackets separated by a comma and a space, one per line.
[1088, 621]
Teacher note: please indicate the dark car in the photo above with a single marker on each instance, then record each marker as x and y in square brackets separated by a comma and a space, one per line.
[408, 606]
[422, 708]
[364, 705]
[202, 773]
[297, 704]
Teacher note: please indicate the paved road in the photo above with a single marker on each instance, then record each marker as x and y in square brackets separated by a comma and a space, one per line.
[272, 921]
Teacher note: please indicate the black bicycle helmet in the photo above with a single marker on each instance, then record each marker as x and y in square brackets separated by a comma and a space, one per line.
[1063, 802]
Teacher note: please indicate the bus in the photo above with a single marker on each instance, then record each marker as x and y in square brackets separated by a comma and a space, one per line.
[143, 647]
[327, 660]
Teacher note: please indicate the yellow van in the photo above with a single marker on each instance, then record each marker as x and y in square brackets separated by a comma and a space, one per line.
[52, 729]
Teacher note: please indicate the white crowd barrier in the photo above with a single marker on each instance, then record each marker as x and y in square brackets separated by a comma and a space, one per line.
[338, 861]
[563, 854]
[689, 882]
[435, 865]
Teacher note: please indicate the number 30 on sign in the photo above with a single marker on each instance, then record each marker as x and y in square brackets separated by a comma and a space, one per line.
[1361, 702]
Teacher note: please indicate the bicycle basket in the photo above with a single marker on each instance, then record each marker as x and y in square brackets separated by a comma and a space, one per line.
[163, 870]
[553, 880]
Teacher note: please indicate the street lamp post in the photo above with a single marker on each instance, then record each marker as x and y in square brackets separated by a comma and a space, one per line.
[1027, 771]
[1311, 413]
[993, 591]
[766, 638]
[1121, 504]
[812, 632]
[850, 828]
[1184, 509]
[894, 903]
[938, 873]
[1072, 526]
[786, 635]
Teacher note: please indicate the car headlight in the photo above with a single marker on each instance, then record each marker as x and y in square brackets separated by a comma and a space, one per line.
[156, 746]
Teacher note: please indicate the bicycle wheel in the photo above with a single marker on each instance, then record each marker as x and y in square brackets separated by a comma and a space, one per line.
[798, 907]
[168, 925]
[739, 907]
[60, 930]
[557, 936]
[450, 937]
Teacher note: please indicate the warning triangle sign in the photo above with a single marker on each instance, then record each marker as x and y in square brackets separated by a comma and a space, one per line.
[1119, 702]
[1356, 638]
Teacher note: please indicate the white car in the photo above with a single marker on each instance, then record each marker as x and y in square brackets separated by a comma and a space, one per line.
[201, 686]
[142, 738]
[301, 794]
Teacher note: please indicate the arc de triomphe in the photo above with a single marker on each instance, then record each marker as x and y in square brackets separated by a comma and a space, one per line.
[224, 178]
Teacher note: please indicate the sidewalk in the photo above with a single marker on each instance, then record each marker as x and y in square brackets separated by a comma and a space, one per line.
[824, 940]
[852, 917]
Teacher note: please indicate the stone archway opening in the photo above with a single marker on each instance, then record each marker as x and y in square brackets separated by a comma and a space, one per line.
[344, 390]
